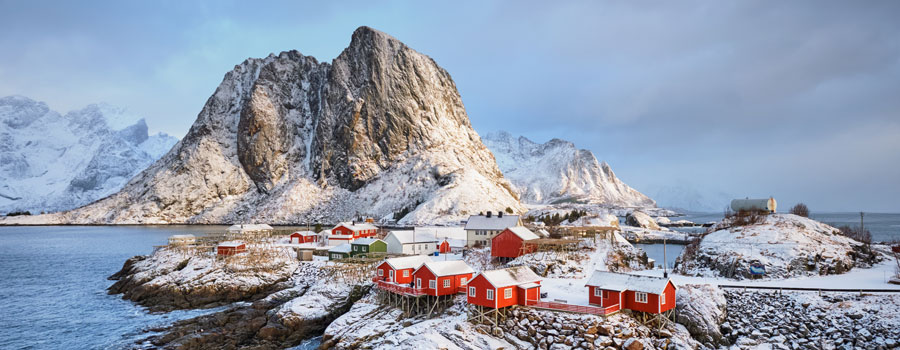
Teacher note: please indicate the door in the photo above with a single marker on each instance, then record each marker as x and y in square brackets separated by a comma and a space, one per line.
[418, 283]
[391, 276]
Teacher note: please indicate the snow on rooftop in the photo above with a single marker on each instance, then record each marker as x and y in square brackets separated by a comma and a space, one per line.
[356, 226]
[231, 244]
[623, 281]
[408, 262]
[495, 222]
[305, 233]
[409, 237]
[452, 232]
[524, 233]
[510, 276]
[366, 241]
[343, 248]
[448, 268]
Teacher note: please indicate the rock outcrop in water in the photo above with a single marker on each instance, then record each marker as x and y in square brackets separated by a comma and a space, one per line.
[381, 130]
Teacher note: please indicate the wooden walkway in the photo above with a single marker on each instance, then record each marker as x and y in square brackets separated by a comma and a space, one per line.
[581, 309]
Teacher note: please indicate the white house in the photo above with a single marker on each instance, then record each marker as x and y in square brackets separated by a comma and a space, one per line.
[182, 239]
[411, 242]
[483, 228]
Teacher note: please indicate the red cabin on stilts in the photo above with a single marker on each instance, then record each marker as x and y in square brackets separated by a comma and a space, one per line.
[506, 287]
[400, 270]
[438, 278]
[633, 292]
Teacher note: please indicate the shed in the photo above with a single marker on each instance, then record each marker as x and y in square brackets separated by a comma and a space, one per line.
[304, 237]
[399, 270]
[509, 243]
[749, 204]
[480, 229]
[505, 287]
[632, 292]
[364, 246]
[229, 248]
[438, 278]
[410, 242]
[339, 252]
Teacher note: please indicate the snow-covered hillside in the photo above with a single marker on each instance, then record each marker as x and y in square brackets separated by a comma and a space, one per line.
[683, 196]
[786, 244]
[379, 131]
[556, 172]
[51, 162]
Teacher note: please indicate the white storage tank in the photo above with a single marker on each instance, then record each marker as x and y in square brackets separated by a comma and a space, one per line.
[749, 204]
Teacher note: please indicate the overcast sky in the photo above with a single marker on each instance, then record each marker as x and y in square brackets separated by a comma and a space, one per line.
[798, 100]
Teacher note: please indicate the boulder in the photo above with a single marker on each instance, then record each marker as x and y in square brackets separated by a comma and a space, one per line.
[701, 309]
[640, 219]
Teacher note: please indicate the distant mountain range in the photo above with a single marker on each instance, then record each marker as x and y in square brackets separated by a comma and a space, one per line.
[52, 162]
[557, 172]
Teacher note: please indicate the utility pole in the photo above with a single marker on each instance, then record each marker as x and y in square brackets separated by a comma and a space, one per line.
[862, 227]
[665, 260]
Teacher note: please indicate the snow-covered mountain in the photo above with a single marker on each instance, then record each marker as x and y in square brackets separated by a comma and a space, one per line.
[51, 162]
[556, 171]
[683, 196]
[380, 131]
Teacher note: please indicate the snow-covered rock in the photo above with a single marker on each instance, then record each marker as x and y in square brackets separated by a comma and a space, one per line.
[786, 244]
[52, 162]
[379, 131]
[556, 171]
[701, 309]
[642, 220]
[613, 253]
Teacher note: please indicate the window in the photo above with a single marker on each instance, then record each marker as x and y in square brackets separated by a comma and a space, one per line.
[507, 294]
[472, 292]
[380, 273]
[447, 283]
[462, 281]
[432, 284]
[640, 297]
[355, 248]
[662, 298]
[405, 273]
[490, 294]
[597, 291]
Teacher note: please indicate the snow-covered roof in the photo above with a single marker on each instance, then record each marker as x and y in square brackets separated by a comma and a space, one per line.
[529, 285]
[343, 248]
[543, 233]
[510, 276]
[441, 232]
[366, 241]
[448, 268]
[340, 236]
[305, 233]
[523, 233]
[409, 237]
[495, 222]
[407, 262]
[455, 242]
[623, 281]
[231, 244]
[356, 226]
[249, 228]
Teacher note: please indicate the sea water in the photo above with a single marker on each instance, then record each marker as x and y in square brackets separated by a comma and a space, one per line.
[54, 280]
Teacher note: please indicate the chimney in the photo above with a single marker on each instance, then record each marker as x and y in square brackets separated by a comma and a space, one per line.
[489, 213]
[500, 214]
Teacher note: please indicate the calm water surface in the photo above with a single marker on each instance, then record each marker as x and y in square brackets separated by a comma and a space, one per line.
[54, 287]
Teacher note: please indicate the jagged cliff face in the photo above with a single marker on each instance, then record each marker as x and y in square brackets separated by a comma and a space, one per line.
[556, 171]
[51, 162]
[287, 139]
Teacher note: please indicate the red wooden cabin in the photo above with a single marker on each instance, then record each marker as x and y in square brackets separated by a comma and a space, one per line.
[400, 270]
[506, 287]
[231, 248]
[444, 247]
[304, 237]
[508, 244]
[355, 230]
[633, 292]
[443, 277]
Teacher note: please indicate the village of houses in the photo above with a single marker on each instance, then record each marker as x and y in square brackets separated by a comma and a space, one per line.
[497, 267]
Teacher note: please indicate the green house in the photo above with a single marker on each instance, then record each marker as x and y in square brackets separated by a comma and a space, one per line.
[340, 252]
[364, 246]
